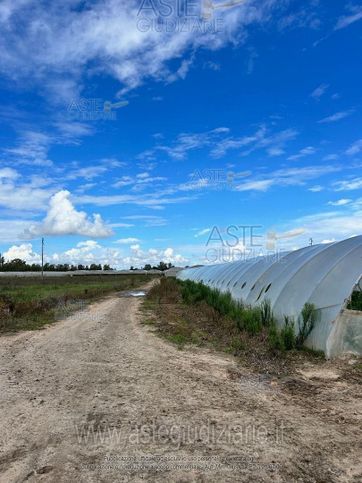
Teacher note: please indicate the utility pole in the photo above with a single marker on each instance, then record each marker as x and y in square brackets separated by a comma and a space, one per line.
[42, 258]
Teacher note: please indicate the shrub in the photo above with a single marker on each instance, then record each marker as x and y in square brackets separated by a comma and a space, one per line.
[267, 317]
[287, 334]
[306, 323]
[164, 292]
[223, 303]
[237, 314]
[193, 292]
[274, 338]
[252, 320]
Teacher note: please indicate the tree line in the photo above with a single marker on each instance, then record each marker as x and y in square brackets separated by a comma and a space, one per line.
[162, 266]
[18, 265]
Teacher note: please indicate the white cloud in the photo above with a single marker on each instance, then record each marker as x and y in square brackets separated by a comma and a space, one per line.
[32, 149]
[32, 146]
[63, 219]
[319, 91]
[148, 220]
[27, 197]
[286, 177]
[91, 252]
[71, 131]
[186, 142]
[343, 222]
[127, 241]
[321, 228]
[273, 143]
[330, 157]
[197, 183]
[155, 200]
[332, 225]
[139, 257]
[212, 65]
[11, 230]
[88, 172]
[219, 142]
[58, 42]
[341, 202]
[205, 231]
[256, 185]
[140, 182]
[83, 253]
[181, 72]
[90, 244]
[355, 148]
[143, 175]
[121, 225]
[304, 17]
[124, 181]
[348, 20]
[9, 7]
[338, 116]
[316, 189]
[8, 173]
[275, 151]
[348, 185]
[24, 252]
[308, 151]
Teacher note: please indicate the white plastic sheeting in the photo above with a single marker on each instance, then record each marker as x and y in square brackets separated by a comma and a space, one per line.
[324, 275]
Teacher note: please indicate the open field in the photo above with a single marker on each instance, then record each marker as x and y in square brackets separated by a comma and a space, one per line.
[99, 397]
[29, 303]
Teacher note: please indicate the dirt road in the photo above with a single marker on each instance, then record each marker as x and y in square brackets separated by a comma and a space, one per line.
[98, 398]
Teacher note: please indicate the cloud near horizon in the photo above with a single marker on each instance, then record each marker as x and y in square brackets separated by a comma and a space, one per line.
[63, 219]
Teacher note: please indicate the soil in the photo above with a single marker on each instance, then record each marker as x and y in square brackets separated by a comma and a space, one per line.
[98, 397]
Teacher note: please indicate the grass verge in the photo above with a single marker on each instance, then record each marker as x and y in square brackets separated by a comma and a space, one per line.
[30, 303]
[190, 313]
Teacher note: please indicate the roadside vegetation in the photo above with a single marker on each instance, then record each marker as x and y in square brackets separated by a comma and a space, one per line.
[30, 303]
[186, 312]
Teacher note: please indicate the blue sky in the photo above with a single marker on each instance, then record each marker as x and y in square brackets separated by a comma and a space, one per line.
[131, 133]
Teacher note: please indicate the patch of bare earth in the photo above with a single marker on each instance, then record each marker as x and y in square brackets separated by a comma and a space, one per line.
[99, 398]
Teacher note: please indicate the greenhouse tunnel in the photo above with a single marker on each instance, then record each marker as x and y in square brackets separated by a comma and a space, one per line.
[324, 275]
